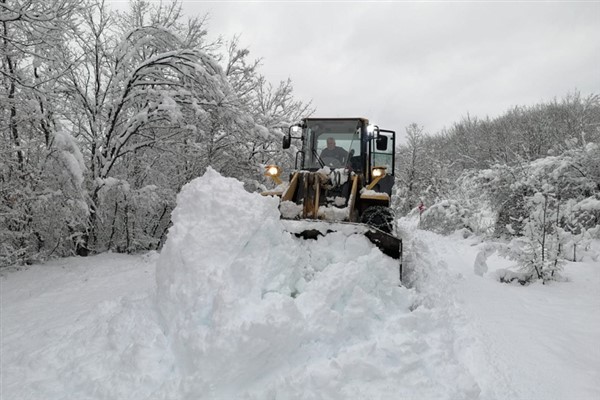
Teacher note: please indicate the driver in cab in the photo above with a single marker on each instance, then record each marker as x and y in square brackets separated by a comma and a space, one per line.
[333, 151]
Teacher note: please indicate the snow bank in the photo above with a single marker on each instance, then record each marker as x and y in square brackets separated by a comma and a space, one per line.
[252, 312]
[509, 336]
[241, 310]
[225, 279]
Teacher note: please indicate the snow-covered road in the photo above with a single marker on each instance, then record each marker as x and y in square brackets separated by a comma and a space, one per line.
[534, 342]
[234, 308]
[51, 321]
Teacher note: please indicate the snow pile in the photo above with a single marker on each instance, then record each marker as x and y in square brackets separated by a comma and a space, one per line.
[241, 310]
[225, 279]
[252, 312]
[283, 318]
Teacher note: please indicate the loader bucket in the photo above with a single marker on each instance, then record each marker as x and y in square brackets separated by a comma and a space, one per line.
[389, 245]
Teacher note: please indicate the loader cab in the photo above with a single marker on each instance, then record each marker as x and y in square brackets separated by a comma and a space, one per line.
[319, 134]
[367, 150]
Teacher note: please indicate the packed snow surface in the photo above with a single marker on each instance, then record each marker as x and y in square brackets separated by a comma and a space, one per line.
[235, 307]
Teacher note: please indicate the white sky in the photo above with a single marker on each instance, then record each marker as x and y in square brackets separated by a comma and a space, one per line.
[425, 62]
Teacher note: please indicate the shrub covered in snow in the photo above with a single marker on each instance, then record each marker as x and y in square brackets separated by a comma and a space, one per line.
[570, 177]
[445, 217]
[132, 219]
[544, 242]
[507, 276]
[43, 211]
[549, 208]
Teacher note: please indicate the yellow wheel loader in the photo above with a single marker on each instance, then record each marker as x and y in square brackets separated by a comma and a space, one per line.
[342, 181]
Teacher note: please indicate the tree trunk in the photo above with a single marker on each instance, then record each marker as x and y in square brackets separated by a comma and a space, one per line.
[11, 99]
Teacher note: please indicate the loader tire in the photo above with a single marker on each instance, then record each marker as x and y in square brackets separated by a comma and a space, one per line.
[379, 217]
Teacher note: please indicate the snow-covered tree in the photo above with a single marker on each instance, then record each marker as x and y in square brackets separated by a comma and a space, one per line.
[107, 115]
[272, 110]
[41, 172]
[537, 250]
[411, 158]
[422, 175]
[132, 93]
[549, 207]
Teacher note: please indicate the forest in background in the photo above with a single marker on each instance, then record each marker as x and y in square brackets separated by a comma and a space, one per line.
[106, 115]
[530, 177]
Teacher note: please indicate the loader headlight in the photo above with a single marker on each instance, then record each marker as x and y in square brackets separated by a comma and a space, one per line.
[377, 172]
[273, 172]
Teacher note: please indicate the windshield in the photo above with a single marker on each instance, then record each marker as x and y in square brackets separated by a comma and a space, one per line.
[333, 142]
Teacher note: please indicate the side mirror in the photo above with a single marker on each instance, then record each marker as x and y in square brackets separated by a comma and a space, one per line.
[373, 130]
[287, 140]
[381, 143]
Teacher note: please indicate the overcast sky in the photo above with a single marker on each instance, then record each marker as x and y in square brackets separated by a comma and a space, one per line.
[425, 62]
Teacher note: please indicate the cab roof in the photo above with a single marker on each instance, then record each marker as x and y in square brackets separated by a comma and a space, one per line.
[364, 120]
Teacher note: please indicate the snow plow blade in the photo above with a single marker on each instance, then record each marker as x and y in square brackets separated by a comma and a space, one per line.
[389, 245]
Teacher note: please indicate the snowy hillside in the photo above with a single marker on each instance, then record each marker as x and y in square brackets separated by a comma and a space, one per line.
[236, 308]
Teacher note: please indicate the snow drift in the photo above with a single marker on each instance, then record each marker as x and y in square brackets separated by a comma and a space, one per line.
[242, 310]
[251, 310]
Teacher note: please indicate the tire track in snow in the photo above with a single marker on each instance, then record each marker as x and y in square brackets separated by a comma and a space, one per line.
[439, 287]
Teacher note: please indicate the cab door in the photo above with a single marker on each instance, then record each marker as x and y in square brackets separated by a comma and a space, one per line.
[382, 149]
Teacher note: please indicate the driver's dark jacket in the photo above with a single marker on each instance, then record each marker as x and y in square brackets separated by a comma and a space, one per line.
[337, 153]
